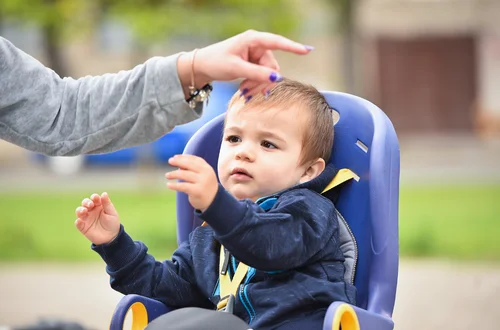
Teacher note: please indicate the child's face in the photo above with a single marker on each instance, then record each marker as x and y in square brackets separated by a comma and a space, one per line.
[260, 151]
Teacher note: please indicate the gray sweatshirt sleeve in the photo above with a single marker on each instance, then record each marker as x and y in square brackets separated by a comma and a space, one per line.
[42, 112]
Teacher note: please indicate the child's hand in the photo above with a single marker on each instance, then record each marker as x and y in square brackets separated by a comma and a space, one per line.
[200, 182]
[98, 219]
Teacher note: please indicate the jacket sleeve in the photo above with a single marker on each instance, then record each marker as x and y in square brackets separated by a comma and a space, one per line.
[133, 271]
[287, 236]
[55, 116]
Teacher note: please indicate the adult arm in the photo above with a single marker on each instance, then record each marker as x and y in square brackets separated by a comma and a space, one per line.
[45, 113]
[42, 112]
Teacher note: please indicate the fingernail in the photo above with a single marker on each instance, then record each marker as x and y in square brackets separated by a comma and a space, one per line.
[248, 99]
[244, 91]
[266, 96]
[309, 47]
[275, 77]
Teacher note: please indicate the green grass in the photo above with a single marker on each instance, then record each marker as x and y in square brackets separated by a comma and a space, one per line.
[459, 222]
[37, 226]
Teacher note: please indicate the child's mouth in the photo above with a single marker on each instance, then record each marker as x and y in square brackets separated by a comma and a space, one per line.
[240, 174]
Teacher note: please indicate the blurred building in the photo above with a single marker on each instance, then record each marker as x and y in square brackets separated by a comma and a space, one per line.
[432, 65]
[112, 47]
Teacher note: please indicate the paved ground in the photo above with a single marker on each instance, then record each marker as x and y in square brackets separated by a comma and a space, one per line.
[431, 295]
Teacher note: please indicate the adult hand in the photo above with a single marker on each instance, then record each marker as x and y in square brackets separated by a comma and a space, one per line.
[247, 55]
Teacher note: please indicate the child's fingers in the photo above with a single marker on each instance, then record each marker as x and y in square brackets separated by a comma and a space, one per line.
[88, 203]
[184, 187]
[187, 162]
[188, 176]
[105, 198]
[80, 225]
[96, 199]
[81, 212]
[183, 161]
[108, 207]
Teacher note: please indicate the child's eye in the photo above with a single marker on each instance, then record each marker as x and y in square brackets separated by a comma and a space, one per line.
[233, 139]
[268, 145]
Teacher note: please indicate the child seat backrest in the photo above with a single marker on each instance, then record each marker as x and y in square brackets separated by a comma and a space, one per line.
[366, 143]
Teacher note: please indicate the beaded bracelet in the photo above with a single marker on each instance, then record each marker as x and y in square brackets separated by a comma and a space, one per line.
[197, 95]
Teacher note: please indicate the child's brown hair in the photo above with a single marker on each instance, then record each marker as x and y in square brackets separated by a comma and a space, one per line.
[317, 141]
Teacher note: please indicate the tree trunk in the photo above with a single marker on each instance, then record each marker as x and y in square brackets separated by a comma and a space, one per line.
[53, 50]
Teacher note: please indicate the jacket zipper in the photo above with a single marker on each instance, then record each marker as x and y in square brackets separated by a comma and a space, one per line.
[243, 296]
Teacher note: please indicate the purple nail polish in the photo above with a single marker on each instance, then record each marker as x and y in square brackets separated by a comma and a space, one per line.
[309, 47]
[266, 96]
[275, 77]
[248, 99]
[243, 92]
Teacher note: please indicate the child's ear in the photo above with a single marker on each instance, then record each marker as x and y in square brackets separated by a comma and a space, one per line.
[314, 169]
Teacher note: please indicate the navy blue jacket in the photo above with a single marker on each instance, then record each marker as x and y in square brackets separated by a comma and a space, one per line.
[290, 241]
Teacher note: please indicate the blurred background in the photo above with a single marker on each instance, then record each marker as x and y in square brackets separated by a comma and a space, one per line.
[432, 65]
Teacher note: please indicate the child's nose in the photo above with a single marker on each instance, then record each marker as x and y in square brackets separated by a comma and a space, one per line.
[245, 154]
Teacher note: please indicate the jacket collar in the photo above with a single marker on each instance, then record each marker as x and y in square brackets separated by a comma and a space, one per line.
[317, 184]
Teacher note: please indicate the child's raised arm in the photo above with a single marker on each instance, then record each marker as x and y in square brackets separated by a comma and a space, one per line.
[292, 233]
[131, 269]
